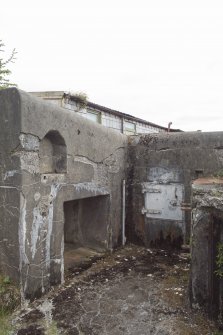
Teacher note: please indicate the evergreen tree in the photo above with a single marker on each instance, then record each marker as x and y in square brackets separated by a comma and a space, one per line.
[4, 71]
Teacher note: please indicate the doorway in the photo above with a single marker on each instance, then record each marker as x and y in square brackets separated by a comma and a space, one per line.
[85, 229]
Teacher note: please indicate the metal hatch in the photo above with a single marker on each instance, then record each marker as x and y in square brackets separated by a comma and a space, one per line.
[163, 201]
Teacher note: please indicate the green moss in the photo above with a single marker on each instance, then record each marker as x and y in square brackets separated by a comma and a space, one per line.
[219, 174]
[9, 295]
[5, 324]
[216, 193]
[51, 329]
[9, 300]
[219, 260]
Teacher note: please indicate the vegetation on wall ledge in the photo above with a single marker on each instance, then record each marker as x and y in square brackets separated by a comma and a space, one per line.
[81, 98]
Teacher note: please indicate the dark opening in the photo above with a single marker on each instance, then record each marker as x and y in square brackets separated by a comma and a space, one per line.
[85, 228]
[199, 173]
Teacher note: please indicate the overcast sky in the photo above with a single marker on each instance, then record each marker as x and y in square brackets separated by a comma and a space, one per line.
[159, 60]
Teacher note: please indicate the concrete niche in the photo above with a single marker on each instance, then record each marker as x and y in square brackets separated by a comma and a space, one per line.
[85, 226]
[53, 153]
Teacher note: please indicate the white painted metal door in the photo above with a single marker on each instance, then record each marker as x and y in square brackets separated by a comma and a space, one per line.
[163, 201]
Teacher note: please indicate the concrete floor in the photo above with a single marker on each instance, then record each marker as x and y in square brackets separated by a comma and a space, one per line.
[134, 291]
[75, 256]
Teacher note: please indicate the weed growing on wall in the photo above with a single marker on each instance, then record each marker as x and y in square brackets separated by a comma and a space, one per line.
[81, 98]
[219, 260]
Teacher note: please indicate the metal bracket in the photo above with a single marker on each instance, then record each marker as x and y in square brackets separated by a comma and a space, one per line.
[151, 190]
[185, 206]
[144, 211]
[153, 211]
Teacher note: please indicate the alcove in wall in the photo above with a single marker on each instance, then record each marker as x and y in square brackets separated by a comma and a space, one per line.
[53, 153]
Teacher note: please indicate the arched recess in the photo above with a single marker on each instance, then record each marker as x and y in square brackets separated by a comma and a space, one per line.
[53, 153]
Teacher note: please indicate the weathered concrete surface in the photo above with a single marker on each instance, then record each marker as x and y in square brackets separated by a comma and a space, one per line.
[50, 156]
[60, 182]
[167, 161]
[134, 291]
[10, 181]
[207, 234]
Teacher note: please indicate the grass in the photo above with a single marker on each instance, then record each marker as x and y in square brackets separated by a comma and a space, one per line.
[5, 324]
[51, 329]
[9, 295]
[9, 300]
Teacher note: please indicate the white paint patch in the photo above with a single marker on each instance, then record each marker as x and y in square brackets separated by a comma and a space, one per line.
[62, 260]
[29, 161]
[43, 221]
[54, 190]
[23, 260]
[10, 174]
[91, 187]
[29, 142]
[164, 175]
[42, 280]
[46, 308]
[22, 231]
[57, 260]
[37, 196]
[38, 222]
[8, 187]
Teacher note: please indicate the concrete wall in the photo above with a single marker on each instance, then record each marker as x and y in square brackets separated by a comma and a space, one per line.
[160, 170]
[11, 195]
[61, 178]
[206, 286]
[32, 194]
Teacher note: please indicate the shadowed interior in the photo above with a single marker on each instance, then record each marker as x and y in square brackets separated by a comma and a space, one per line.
[85, 228]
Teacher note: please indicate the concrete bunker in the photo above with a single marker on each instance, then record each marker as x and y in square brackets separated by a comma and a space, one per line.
[160, 172]
[82, 205]
[53, 153]
[85, 228]
[54, 164]
[207, 246]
